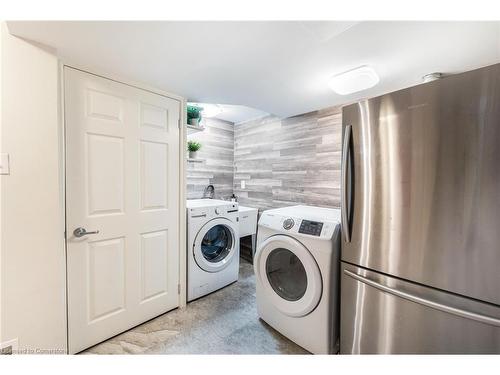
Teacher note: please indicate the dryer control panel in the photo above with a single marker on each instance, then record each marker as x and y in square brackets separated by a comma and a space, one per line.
[311, 227]
[296, 225]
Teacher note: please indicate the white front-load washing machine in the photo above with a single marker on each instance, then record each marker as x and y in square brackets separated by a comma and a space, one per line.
[213, 245]
[297, 275]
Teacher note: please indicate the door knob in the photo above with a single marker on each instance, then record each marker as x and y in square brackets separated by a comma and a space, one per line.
[80, 232]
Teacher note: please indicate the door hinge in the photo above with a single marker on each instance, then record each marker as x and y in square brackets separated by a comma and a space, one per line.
[179, 123]
[178, 288]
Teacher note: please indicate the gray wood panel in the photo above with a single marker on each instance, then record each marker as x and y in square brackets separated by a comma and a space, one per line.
[289, 161]
[218, 166]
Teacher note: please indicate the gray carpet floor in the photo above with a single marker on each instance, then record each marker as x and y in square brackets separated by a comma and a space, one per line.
[224, 322]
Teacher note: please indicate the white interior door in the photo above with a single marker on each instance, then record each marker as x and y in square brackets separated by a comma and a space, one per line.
[122, 179]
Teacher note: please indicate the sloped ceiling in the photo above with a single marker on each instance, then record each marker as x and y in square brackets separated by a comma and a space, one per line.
[277, 67]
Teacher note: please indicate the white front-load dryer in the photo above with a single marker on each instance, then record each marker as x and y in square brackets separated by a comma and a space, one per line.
[297, 275]
[213, 245]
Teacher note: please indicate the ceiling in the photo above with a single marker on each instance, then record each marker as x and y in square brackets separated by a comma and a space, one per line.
[273, 66]
[235, 113]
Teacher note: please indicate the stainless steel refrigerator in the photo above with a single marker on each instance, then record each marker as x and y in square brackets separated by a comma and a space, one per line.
[420, 269]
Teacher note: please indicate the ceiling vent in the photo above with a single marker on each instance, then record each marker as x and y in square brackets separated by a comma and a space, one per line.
[432, 77]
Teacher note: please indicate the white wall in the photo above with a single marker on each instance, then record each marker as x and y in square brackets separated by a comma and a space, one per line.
[32, 258]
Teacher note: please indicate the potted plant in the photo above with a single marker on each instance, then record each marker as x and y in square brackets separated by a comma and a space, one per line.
[193, 148]
[194, 115]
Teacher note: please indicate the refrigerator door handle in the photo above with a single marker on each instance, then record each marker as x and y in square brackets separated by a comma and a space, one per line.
[345, 206]
[422, 301]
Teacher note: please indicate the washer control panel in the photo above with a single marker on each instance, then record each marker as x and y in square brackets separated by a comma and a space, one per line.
[312, 228]
[207, 212]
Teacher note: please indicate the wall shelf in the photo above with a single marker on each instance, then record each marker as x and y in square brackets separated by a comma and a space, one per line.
[194, 129]
[195, 160]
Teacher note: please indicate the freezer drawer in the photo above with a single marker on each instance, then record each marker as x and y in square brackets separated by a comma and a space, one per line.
[386, 315]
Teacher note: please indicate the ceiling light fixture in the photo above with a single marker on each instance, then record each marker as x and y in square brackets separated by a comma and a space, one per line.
[357, 79]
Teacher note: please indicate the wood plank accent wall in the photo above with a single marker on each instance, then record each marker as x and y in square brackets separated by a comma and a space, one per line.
[289, 161]
[218, 166]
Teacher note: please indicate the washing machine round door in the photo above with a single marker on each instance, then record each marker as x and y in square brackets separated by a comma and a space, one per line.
[215, 245]
[289, 275]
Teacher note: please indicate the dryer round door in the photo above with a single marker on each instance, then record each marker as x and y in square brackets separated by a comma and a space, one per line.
[215, 245]
[289, 275]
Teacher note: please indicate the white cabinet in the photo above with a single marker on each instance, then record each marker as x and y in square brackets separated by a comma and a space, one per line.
[248, 221]
[248, 224]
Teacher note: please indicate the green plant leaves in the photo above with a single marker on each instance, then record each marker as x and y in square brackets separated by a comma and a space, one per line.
[193, 146]
[194, 112]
